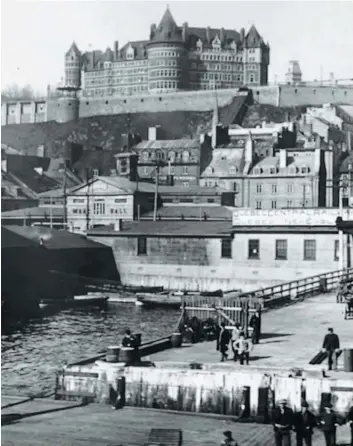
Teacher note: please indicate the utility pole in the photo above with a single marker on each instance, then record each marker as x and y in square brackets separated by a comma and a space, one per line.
[65, 199]
[341, 237]
[87, 201]
[51, 212]
[156, 192]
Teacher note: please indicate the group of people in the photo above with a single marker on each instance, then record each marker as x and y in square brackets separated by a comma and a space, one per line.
[304, 422]
[240, 344]
[131, 340]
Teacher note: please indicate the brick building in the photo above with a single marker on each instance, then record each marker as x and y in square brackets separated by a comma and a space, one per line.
[174, 58]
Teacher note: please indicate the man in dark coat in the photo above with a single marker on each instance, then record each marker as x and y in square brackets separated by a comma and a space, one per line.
[229, 440]
[331, 345]
[223, 341]
[282, 420]
[255, 325]
[350, 422]
[128, 339]
[304, 424]
[329, 424]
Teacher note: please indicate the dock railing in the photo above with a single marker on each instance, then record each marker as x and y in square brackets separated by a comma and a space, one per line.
[237, 308]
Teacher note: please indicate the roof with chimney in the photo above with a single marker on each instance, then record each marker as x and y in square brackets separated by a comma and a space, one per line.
[303, 163]
[226, 162]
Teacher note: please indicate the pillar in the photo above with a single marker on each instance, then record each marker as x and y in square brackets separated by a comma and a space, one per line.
[4, 113]
[33, 112]
[18, 113]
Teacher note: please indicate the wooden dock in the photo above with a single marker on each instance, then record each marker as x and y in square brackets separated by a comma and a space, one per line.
[291, 336]
[94, 424]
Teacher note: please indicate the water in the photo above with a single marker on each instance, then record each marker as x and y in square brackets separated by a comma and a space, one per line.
[32, 353]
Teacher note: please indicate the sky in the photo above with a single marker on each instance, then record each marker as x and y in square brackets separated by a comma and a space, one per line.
[36, 34]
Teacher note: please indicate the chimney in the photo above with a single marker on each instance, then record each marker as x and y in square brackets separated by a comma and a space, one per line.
[118, 225]
[202, 138]
[249, 149]
[40, 151]
[282, 158]
[208, 34]
[222, 35]
[153, 31]
[349, 141]
[317, 158]
[317, 142]
[4, 164]
[152, 134]
[185, 31]
[242, 35]
[116, 50]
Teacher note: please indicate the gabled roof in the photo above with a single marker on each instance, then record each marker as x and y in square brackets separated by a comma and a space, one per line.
[73, 48]
[253, 39]
[167, 30]
[138, 45]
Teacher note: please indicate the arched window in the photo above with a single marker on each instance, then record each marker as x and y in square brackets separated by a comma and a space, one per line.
[171, 155]
[145, 155]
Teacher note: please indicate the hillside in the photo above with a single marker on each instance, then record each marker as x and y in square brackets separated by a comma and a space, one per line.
[257, 113]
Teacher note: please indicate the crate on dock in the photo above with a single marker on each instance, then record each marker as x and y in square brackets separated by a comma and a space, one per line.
[168, 437]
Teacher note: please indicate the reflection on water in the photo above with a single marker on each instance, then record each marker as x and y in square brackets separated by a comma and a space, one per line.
[33, 352]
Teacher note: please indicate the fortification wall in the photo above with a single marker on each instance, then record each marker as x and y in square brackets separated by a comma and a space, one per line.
[278, 96]
[181, 101]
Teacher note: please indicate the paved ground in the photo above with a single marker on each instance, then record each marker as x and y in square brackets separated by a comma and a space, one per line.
[291, 337]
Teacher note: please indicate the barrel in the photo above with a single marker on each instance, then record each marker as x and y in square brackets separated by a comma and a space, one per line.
[127, 355]
[348, 360]
[176, 340]
[112, 353]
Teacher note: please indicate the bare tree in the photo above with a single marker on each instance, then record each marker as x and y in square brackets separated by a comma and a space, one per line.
[17, 92]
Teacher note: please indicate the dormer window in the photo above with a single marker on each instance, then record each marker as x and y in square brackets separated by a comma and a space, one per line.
[107, 64]
[233, 170]
[171, 155]
[199, 45]
[273, 170]
[233, 46]
[209, 170]
[95, 172]
[292, 170]
[145, 155]
[130, 53]
[305, 169]
[216, 44]
[186, 156]
[257, 171]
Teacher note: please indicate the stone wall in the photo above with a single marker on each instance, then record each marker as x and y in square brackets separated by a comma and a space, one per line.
[196, 264]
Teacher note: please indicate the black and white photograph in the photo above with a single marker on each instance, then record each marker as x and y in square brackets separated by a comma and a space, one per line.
[176, 223]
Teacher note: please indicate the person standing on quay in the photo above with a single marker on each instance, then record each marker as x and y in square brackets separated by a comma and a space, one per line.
[350, 422]
[242, 346]
[304, 424]
[255, 323]
[229, 440]
[235, 337]
[223, 342]
[331, 345]
[283, 419]
[329, 425]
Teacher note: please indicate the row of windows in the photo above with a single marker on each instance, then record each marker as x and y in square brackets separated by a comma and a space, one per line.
[164, 54]
[121, 90]
[274, 170]
[281, 249]
[165, 73]
[303, 203]
[171, 156]
[120, 80]
[214, 76]
[225, 58]
[163, 84]
[185, 170]
[305, 188]
[116, 72]
[163, 62]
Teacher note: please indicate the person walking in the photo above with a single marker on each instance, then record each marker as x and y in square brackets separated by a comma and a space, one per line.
[350, 422]
[329, 425]
[128, 339]
[283, 420]
[223, 342]
[242, 345]
[331, 345]
[229, 440]
[304, 423]
[235, 336]
[255, 324]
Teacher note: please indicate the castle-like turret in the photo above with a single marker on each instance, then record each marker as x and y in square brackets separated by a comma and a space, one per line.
[166, 56]
[73, 67]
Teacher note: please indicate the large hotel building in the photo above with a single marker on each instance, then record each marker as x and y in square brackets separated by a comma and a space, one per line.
[173, 59]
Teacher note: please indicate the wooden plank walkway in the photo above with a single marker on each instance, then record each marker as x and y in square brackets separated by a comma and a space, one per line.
[292, 335]
[97, 424]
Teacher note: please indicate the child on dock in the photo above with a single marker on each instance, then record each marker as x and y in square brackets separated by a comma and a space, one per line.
[243, 347]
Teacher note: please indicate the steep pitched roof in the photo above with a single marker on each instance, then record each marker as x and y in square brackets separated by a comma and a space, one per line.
[167, 30]
[73, 48]
[253, 38]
